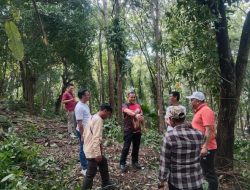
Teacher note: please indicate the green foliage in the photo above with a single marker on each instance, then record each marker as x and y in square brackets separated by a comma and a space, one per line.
[22, 167]
[15, 42]
[242, 160]
[242, 150]
[113, 130]
[190, 42]
[152, 139]
[4, 123]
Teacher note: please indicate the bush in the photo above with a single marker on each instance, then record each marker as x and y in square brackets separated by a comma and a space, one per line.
[152, 138]
[113, 130]
[22, 168]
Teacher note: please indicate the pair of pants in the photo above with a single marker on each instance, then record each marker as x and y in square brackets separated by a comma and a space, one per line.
[71, 121]
[91, 172]
[171, 187]
[207, 165]
[135, 139]
[83, 160]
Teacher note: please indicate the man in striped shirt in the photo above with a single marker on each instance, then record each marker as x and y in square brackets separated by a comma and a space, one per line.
[180, 154]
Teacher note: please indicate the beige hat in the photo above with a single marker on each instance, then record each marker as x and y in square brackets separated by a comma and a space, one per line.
[176, 112]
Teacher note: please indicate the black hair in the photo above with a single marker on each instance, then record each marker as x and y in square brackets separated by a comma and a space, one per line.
[131, 92]
[81, 93]
[107, 107]
[176, 94]
[68, 85]
[179, 119]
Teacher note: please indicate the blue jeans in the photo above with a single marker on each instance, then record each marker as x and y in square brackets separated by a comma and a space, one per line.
[83, 160]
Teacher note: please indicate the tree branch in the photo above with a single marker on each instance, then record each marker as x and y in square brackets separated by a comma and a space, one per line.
[243, 53]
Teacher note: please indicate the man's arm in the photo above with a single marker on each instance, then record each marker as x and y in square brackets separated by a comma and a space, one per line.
[66, 101]
[80, 126]
[204, 149]
[96, 128]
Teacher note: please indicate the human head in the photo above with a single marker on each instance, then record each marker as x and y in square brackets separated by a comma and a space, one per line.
[176, 115]
[196, 98]
[84, 95]
[70, 87]
[105, 111]
[131, 97]
[174, 97]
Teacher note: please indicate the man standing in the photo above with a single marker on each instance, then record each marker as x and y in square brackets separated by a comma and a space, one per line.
[132, 133]
[69, 101]
[204, 121]
[82, 113]
[180, 153]
[93, 149]
[174, 99]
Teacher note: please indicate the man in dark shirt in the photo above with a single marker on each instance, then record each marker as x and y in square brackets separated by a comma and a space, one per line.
[180, 154]
[132, 131]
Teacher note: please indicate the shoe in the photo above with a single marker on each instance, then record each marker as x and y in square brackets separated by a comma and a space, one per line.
[72, 135]
[83, 172]
[109, 185]
[123, 168]
[136, 166]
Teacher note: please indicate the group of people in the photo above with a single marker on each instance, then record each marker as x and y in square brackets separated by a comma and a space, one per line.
[188, 149]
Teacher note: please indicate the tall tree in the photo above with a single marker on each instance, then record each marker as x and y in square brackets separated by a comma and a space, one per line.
[232, 74]
[157, 36]
[109, 53]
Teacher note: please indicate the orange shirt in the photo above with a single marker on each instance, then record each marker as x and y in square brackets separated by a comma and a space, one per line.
[204, 116]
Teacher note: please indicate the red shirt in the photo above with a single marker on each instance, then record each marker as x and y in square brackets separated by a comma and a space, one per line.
[70, 106]
[204, 116]
[128, 120]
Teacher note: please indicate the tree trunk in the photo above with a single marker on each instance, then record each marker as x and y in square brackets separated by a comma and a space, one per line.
[110, 73]
[65, 81]
[158, 64]
[119, 91]
[28, 78]
[231, 85]
[2, 78]
[102, 95]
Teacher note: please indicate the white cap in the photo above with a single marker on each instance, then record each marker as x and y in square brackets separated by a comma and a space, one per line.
[197, 95]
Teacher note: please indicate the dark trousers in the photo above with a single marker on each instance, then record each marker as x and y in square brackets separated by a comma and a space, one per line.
[135, 139]
[171, 187]
[207, 164]
[91, 172]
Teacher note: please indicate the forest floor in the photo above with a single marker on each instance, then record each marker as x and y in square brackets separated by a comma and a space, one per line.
[52, 135]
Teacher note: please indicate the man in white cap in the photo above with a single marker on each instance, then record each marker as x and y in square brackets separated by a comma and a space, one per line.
[180, 153]
[204, 121]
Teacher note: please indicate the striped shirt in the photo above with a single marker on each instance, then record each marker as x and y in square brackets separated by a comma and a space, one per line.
[180, 157]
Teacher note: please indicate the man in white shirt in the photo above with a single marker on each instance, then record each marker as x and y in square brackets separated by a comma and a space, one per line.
[174, 99]
[82, 113]
[93, 149]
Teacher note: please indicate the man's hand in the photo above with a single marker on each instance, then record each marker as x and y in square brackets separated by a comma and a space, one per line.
[98, 159]
[204, 151]
[139, 117]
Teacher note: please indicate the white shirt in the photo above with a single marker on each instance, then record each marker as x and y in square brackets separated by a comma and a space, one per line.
[82, 112]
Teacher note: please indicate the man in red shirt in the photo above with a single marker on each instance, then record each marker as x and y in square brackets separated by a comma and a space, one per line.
[133, 116]
[69, 101]
[204, 121]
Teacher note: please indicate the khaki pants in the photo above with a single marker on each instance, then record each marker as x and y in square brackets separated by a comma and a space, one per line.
[71, 121]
